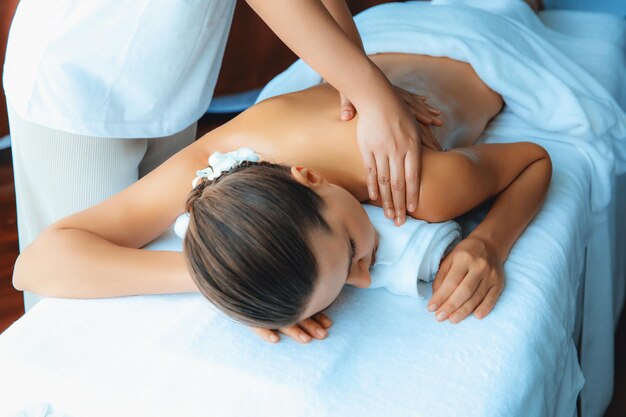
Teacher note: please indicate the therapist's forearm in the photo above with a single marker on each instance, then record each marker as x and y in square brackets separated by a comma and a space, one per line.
[308, 28]
[79, 264]
[340, 12]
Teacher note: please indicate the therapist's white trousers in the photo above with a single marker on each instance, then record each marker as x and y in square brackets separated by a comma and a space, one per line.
[59, 173]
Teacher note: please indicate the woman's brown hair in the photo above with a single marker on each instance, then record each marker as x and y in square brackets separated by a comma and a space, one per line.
[248, 243]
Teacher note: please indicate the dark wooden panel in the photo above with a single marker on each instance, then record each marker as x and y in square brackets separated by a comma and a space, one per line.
[7, 10]
[11, 301]
[254, 55]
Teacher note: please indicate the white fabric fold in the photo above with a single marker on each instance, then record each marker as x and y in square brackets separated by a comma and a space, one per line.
[410, 253]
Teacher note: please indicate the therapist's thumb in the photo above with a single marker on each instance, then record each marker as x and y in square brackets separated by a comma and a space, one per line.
[347, 109]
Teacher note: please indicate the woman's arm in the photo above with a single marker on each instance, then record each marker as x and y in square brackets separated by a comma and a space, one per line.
[95, 253]
[78, 264]
[471, 277]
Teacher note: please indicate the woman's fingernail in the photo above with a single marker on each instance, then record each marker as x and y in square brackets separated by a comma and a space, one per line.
[273, 338]
[441, 316]
[411, 207]
[454, 318]
[389, 213]
[345, 114]
[321, 332]
[305, 337]
[432, 307]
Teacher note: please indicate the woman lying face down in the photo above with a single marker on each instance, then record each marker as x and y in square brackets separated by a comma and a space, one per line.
[272, 245]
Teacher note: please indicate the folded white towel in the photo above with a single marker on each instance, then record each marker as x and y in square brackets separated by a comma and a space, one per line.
[409, 253]
[405, 254]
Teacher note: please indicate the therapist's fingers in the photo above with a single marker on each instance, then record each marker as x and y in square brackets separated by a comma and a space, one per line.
[372, 175]
[348, 111]
[384, 186]
[398, 189]
[428, 139]
[423, 112]
[434, 111]
[411, 172]
[420, 110]
[431, 142]
[430, 108]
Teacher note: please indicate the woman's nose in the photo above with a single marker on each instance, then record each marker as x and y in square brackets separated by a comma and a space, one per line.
[361, 277]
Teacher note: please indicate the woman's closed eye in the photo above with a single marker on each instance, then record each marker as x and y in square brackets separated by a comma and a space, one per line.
[353, 250]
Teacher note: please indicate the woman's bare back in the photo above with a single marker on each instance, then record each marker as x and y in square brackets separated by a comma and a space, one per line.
[303, 128]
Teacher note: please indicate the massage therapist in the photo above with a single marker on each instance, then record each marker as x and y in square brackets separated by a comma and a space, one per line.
[101, 92]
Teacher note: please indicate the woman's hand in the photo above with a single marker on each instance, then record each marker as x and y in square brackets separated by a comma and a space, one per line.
[470, 279]
[303, 332]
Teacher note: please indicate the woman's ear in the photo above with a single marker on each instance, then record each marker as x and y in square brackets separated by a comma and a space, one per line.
[308, 177]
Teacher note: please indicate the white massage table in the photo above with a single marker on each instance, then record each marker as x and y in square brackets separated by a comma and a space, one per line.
[386, 355]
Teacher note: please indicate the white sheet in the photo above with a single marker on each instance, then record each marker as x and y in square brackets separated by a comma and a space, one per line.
[171, 355]
[175, 355]
[600, 49]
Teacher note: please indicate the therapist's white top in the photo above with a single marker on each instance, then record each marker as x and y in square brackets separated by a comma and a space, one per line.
[115, 68]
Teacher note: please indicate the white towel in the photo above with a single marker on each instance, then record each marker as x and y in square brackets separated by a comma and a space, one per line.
[405, 254]
[409, 253]
[37, 409]
[515, 55]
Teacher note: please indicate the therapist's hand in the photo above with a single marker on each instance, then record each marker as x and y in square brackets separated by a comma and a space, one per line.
[470, 279]
[314, 327]
[390, 147]
[424, 113]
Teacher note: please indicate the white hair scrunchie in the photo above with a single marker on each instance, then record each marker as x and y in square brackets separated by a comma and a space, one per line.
[223, 162]
[218, 163]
